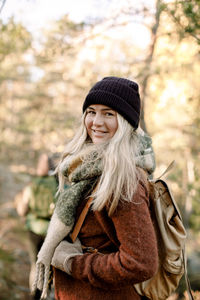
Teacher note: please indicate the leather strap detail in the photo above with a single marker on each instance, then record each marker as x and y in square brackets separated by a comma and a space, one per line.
[81, 218]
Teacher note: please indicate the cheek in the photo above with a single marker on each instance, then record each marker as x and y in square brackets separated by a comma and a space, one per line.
[88, 123]
[114, 127]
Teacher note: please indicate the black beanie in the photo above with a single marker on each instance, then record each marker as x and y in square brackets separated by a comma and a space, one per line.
[120, 94]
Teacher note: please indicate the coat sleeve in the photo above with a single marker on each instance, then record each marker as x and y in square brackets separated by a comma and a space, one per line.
[137, 257]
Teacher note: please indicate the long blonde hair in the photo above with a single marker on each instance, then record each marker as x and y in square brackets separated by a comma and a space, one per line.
[119, 175]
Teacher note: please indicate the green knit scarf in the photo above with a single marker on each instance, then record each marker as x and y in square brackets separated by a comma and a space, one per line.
[83, 180]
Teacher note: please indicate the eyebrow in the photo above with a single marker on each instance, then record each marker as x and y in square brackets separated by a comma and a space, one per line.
[103, 109]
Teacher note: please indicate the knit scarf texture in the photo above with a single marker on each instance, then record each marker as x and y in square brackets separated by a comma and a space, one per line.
[83, 178]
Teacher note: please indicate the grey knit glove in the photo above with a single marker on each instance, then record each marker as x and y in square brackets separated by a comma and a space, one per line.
[63, 254]
[57, 231]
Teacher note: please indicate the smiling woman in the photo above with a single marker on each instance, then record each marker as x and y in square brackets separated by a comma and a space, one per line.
[105, 153]
[101, 123]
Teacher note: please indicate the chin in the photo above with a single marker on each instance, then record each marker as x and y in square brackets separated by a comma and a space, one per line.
[98, 141]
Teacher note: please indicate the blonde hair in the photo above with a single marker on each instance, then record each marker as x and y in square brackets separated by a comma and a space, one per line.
[119, 175]
[72, 148]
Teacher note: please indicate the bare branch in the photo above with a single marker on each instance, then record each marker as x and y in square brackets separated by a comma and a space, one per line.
[2, 3]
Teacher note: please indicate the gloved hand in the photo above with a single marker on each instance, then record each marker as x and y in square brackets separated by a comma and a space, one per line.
[56, 233]
[63, 254]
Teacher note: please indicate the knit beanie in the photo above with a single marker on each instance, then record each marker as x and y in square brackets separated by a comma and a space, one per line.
[120, 94]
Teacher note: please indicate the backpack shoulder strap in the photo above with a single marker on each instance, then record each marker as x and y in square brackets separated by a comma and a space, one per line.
[82, 217]
[171, 165]
[164, 186]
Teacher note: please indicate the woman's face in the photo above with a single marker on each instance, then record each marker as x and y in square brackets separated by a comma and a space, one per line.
[101, 123]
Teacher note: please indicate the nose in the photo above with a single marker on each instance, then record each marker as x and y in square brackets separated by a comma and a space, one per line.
[98, 120]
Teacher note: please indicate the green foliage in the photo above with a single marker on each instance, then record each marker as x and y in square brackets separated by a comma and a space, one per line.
[59, 41]
[186, 15]
[14, 39]
[6, 256]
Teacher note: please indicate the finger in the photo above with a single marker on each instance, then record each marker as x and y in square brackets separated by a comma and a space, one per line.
[34, 285]
[40, 277]
[46, 281]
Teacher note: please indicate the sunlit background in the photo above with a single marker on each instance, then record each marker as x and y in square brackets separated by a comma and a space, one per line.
[51, 52]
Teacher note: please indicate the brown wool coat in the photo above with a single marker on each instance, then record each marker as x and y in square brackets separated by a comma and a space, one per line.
[128, 253]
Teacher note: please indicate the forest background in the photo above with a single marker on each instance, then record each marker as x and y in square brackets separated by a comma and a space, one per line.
[44, 77]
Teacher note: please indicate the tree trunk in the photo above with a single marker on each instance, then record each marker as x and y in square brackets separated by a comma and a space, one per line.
[148, 62]
[188, 178]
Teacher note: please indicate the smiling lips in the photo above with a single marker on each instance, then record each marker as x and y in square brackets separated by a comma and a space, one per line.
[99, 132]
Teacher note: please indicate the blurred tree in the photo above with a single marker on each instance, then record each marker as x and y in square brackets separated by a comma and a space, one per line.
[15, 39]
[2, 3]
[186, 15]
[57, 88]
[146, 72]
[14, 78]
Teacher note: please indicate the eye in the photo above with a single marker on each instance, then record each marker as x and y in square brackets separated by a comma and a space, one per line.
[91, 112]
[109, 114]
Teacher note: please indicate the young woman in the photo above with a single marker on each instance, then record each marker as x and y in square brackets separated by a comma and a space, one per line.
[106, 152]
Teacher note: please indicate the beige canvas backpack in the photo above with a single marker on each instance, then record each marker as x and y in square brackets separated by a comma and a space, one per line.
[171, 237]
